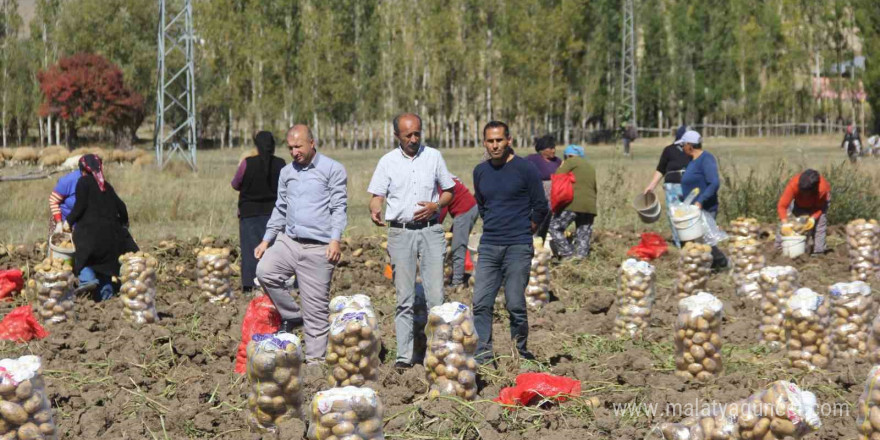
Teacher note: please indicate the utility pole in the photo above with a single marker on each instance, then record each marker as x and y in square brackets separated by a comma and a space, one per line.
[628, 63]
[176, 89]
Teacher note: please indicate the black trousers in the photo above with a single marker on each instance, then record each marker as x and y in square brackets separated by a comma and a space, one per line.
[250, 231]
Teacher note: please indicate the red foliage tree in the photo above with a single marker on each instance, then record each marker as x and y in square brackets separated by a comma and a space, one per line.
[86, 89]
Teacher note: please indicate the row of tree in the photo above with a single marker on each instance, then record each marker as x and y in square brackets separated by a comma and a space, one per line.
[347, 66]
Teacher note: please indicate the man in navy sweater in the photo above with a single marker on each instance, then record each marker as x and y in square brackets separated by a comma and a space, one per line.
[511, 202]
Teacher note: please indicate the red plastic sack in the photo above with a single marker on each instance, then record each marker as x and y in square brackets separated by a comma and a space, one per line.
[468, 263]
[561, 191]
[261, 317]
[530, 386]
[20, 325]
[11, 281]
[651, 246]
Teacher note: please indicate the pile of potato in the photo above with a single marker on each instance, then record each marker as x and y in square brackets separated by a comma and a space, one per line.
[53, 283]
[538, 290]
[214, 274]
[745, 227]
[449, 360]
[868, 419]
[782, 411]
[778, 284]
[138, 291]
[275, 379]
[806, 330]
[353, 349]
[346, 413]
[863, 240]
[635, 298]
[694, 267]
[747, 264]
[852, 309]
[25, 413]
[698, 337]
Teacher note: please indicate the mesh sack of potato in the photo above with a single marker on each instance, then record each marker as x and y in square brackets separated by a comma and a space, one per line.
[745, 227]
[25, 413]
[447, 261]
[778, 284]
[852, 308]
[274, 375]
[694, 267]
[698, 337]
[806, 330]
[782, 411]
[346, 413]
[747, 262]
[874, 341]
[353, 349]
[214, 274]
[538, 289]
[353, 303]
[53, 283]
[863, 244]
[138, 291]
[449, 360]
[635, 298]
[868, 417]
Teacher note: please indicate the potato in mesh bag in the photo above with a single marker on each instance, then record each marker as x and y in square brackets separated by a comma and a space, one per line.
[138, 291]
[778, 284]
[353, 349]
[450, 366]
[349, 413]
[698, 337]
[25, 413]
[214, 274]
[806, 330]
[53, 283]
[852, 308]
[635, 298]
[274, 372]
[694, 267]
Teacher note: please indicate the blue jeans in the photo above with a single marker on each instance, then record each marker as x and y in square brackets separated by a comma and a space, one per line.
[673, 195]
[105, 284]
[509, 264]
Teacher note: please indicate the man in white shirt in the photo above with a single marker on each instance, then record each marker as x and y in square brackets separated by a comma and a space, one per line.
[406, 181]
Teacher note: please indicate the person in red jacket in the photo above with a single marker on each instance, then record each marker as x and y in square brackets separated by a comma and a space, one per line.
[464, 212]
[807, 193]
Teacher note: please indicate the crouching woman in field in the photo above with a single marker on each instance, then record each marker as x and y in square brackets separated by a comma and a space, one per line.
[100, 232]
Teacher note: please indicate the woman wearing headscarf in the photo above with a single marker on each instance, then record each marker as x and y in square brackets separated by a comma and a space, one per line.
[547, 163]
[582, 209]
[673, 162]
[702, 174]
[100, 234]
[257, 184]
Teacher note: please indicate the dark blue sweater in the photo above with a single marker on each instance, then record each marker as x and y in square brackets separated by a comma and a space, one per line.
[702, 173]
[509, 198]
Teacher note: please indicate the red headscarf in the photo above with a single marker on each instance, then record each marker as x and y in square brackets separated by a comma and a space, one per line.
[92, 164]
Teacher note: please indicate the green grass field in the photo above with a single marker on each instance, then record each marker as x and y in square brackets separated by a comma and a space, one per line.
[179, 203]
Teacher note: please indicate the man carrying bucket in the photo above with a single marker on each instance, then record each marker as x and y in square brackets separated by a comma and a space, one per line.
[807, 194]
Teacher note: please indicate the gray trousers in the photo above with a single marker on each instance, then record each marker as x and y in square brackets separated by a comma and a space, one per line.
[421, 249]
[818, 232]
[508, 266]
[462, 225]
[313, 273]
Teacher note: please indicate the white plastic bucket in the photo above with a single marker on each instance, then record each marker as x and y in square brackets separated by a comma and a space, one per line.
[689, 226]
[474, 242]
[794, 246]
[59, 252]
[647, 206]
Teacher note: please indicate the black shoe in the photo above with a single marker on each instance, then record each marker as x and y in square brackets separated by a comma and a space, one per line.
[289, 325]
[402, 366]
[527, 356]
[90, 286]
